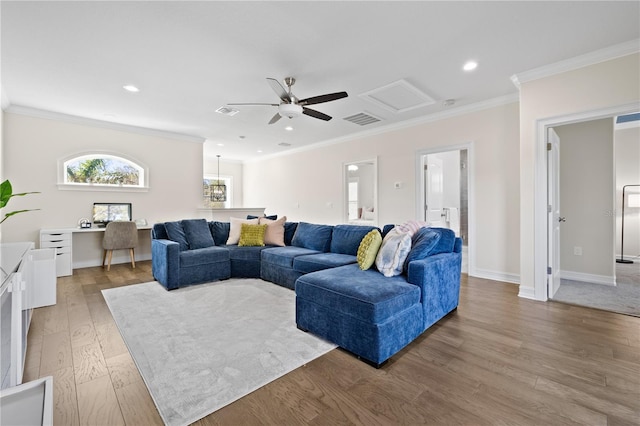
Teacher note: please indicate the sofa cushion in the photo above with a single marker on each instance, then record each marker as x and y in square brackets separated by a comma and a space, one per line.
[366, 295]
[289, 232]
[204, 256]
[368, 249]
[175, 232]
[446, 243]
[252, 235]
[346, 239]
[320, 261]
[422, 245]
[197, 233]
[245, 253]
[270, 217]
[159, 232]
[274, 234]
[393, 252]
[386, 229]
[312, 236]
[235, 228]
[220, 232]
[284, 256]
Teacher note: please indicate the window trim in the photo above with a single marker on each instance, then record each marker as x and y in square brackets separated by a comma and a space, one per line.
[66, 186]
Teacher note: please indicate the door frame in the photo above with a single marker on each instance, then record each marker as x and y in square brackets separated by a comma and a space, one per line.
[471, 215]
[553, 215]
[541, 234]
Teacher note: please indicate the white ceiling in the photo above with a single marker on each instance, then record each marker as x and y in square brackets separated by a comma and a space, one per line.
[190, 58]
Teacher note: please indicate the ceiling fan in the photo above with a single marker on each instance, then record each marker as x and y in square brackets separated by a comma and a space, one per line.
[291, 107]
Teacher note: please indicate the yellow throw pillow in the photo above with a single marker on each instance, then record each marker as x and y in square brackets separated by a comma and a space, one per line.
[368, 249]
[234, 228]
[252, 235]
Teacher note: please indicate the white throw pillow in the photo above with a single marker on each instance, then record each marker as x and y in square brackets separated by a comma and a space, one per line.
[393, 252]
[236, 226]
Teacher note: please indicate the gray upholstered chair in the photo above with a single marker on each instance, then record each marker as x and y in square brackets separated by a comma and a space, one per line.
[119, 236]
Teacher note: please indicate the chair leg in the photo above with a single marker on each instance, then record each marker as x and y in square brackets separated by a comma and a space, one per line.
[104, 257]
[133, 258]
[109, 260]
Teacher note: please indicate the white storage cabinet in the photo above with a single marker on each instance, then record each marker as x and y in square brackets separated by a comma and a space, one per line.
[61, 240]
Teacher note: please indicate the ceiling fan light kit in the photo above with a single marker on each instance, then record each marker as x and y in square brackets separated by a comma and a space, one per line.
[290, 110]
[292, 107]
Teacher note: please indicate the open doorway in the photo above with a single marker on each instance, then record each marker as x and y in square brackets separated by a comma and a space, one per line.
[594, 162]
[444, 193]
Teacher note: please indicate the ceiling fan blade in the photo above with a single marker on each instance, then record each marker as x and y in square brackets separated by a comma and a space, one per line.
[253, 103]
[323, 98]
[275, 118]
[280, 91]
[315, 114]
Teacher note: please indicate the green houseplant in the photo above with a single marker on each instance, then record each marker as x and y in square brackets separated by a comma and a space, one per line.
[6, 192]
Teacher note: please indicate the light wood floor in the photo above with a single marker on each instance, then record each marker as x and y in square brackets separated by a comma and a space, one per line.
[499, 359]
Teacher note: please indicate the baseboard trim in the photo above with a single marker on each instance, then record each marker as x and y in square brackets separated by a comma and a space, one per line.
[114, 261]
[588, 278]
[527, 293]
[495, 276]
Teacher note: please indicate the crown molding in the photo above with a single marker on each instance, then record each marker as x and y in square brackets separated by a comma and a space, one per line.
[591, 58]
[453, 112]
[74, 119]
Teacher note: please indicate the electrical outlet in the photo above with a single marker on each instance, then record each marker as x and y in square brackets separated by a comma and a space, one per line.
[397, 185]
[577, 251]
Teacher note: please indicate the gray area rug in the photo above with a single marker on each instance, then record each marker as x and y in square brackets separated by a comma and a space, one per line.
[202, 347]
[623, 298]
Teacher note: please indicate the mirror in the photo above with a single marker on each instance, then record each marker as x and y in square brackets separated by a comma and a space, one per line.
[361, 192]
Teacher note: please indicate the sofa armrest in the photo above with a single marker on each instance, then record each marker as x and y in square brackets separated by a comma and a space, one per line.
[165, 263]
[439, 280]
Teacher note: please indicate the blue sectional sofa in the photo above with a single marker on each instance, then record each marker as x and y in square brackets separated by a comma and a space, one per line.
[363, 311]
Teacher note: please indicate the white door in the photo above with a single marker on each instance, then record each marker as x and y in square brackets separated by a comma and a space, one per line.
[434, 188]
[554, 219]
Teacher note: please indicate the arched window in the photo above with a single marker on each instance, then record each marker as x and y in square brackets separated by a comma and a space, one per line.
[102, 170]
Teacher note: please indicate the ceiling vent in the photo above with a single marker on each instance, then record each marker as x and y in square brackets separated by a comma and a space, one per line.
[225, 110]
[362, 118]
[399, 96]
[284, 144]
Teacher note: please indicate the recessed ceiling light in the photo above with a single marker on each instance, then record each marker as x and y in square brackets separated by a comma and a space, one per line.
[288, 128]
[220, 144]
[259, 150]
[470, 66]
[130, 88]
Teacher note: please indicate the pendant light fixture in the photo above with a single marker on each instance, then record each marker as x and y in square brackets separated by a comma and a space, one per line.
[219, 190]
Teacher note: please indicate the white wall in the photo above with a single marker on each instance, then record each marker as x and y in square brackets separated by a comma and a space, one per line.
[303, 185]
[587, 200]
[604, 85]
[627, 159]
[31, 150]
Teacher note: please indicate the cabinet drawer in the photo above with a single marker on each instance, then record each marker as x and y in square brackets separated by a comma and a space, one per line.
[55, 236]
[61, 244]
